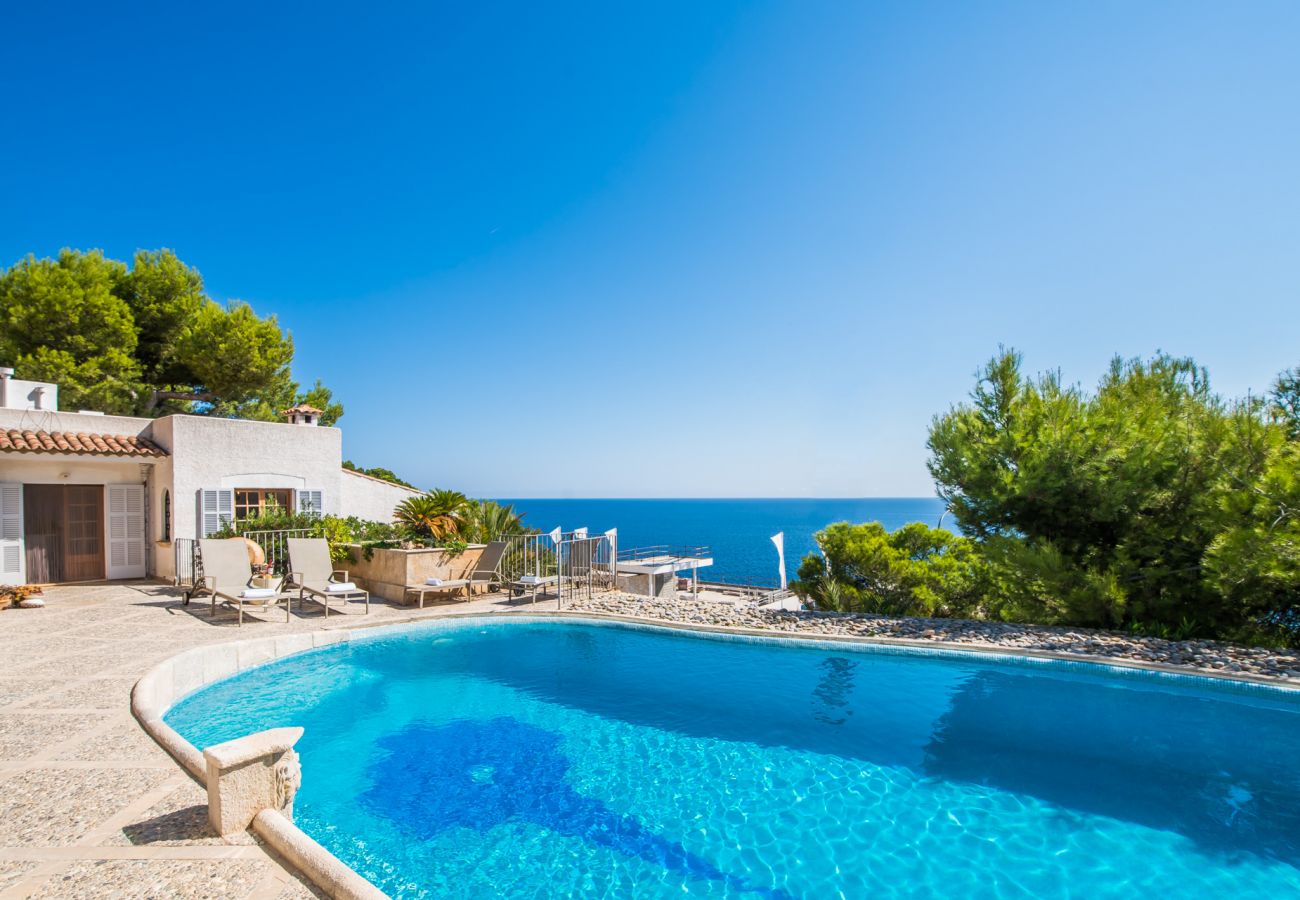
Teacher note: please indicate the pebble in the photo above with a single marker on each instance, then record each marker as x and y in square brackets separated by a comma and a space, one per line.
[1213, 656]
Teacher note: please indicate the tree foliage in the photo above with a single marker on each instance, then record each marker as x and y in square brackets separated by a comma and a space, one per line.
[1148, 503]
[1255, 562]
[1099, 508]
[146, 340]
[1284, 402]
[914, 571]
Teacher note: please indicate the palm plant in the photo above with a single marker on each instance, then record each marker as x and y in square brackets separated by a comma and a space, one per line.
[438, 514]
[487, 520]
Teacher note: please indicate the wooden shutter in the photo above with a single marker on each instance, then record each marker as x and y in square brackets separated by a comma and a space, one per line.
[311, 503]
[216, 508]
[13, 563]
[125, 531]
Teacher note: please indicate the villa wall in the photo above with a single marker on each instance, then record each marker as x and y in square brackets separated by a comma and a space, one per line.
[210, 453]
[371, 498]
[46, 420]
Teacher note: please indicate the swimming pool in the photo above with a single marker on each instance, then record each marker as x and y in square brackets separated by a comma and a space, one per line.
[509, 757]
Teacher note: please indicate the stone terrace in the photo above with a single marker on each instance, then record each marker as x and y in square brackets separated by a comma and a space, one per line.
[91, 807]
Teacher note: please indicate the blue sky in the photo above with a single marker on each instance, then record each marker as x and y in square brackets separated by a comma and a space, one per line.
[680, 249]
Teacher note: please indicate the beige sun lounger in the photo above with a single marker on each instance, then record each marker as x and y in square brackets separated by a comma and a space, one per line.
[485, 572]
[312, 573]
[227, 574]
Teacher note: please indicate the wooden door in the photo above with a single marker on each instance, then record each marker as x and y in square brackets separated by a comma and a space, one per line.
[83, 547]
[64, 529]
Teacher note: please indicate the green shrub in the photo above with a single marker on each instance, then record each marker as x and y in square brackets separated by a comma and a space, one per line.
[914, 571]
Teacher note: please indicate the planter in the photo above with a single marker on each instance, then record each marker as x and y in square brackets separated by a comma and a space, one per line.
[388, 571]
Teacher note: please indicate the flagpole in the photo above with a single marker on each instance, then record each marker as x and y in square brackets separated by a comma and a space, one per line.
[779, 540]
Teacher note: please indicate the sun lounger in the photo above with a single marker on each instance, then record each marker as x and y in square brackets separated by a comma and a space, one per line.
[313, 575]
[530, 583]
[227, 578]
[485, 572]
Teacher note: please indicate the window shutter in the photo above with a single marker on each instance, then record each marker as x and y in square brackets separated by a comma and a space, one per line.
[311, 503]
[125, 531]
[216, 508]
[13, 561]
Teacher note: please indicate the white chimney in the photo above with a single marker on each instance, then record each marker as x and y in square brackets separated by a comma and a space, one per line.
[302, 414]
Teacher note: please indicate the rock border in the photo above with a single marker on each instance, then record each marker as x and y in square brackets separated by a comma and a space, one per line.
[177, 677]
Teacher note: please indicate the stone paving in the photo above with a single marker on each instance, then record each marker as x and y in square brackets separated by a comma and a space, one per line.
[90, 806]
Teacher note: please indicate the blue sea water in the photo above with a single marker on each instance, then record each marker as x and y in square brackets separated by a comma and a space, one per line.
[491, 758]
[738, 531]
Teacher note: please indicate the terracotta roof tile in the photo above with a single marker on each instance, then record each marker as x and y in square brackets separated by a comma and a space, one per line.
[81, 443]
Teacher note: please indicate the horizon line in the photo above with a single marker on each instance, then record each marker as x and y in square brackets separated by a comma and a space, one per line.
[892, 497]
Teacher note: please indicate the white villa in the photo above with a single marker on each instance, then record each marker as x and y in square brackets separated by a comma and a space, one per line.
[85, 496]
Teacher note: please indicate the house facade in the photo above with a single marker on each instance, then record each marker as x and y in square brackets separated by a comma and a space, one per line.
[85, 496]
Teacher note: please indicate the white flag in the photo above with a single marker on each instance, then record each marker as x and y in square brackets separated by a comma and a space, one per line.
[779, 540]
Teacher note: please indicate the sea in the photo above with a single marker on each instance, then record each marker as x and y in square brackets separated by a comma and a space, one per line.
[737, 532]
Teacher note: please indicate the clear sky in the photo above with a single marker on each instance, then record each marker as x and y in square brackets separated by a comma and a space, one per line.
[680, 248]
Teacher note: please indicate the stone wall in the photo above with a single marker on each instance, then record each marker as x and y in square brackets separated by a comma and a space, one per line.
[662, 586]
[387, 572]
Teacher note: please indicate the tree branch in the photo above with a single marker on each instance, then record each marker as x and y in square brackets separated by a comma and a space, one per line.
[158, 396]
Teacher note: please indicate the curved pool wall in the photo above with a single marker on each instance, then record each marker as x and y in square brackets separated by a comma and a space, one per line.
[983, 706]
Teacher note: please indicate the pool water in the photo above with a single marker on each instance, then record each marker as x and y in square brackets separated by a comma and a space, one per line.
[515, 758]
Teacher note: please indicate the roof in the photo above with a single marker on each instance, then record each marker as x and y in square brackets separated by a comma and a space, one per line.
[383, 481]
[302, 408]
[80, 444]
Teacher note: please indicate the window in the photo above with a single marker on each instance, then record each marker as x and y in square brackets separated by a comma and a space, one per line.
[250, 502]
[166, 516]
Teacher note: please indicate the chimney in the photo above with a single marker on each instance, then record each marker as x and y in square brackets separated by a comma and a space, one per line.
[6, 374]
[302, 414]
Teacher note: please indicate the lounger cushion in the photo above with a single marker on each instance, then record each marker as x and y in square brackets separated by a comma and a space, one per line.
[258, 593]
[340, 587]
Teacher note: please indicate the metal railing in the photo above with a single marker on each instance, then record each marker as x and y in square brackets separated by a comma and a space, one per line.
[189, 568]
[274, 544]
[672, 551]
[775, 596]
[577, 565]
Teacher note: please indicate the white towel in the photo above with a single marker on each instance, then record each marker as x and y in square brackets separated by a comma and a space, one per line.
[532, 579]
[259, 593]
[340, 587]
[434, 582]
